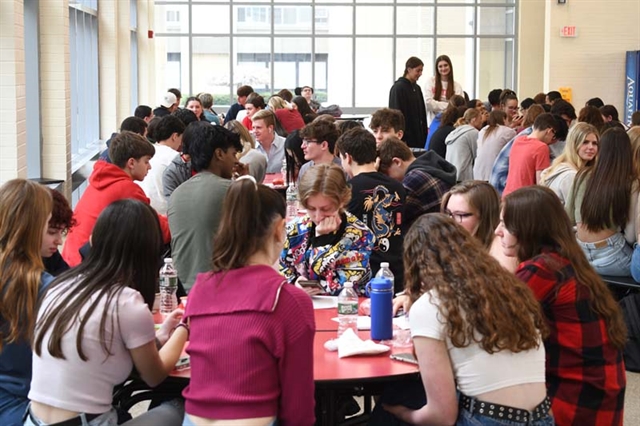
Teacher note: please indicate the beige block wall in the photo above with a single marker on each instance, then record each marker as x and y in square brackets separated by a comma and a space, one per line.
[146, 55]
[13, 136]
[531, 18]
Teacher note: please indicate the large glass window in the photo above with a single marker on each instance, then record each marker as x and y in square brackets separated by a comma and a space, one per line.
[350, 51]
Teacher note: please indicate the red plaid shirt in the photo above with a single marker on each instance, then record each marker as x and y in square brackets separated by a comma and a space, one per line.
[585, 373]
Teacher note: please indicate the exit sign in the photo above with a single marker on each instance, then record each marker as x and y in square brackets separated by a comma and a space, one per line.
[569, 32]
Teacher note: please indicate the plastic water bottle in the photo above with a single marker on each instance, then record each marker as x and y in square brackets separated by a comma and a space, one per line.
[385, 272]
[283, 169]
[292, 202]
[381, 290]
[168, 287]
[347, 309]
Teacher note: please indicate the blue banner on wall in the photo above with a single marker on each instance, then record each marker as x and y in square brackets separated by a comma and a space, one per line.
[631, 98]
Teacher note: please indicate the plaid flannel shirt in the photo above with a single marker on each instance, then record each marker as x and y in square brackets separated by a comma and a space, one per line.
[586, 378]
[424, 194]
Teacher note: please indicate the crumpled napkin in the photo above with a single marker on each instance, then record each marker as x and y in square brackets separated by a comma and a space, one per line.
[349, 344]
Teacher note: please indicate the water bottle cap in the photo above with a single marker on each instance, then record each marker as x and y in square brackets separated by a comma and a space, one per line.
[168, 260]
[384, 264]
[381, 283]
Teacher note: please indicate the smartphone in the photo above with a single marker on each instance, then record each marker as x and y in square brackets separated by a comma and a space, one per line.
[183, 363]
[311, 283]
[405, 357]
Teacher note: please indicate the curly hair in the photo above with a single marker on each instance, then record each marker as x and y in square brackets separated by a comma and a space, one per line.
[61, 215]
[480, 300]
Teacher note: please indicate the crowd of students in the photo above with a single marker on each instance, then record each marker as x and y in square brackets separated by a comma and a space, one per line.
[508, 330]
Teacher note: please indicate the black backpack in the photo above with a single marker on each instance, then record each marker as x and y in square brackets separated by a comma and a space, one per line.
[631, 310]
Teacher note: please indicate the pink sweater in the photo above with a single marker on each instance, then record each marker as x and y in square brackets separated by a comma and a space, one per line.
[251, 347]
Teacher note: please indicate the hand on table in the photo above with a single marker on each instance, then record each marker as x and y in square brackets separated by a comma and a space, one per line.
[401, 301]
[328, 225]
[311, 291]
[170, 322]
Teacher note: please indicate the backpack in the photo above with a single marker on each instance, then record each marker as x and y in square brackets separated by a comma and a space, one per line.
[631, 311]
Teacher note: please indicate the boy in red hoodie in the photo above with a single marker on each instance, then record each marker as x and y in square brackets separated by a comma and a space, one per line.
[130, 154]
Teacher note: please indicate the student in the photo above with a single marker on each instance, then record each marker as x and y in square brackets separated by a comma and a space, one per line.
[255, 161]
[145, 112]
[406, 96]
[387, 122]
[462, 143]
[307, 93]
[25, 209]
[552, 97]
[130, 124]
[253, 104]
[206, 100]
[448, 120]
[243, 92]
[61, 221]
[454, 102]
[168, 104]
[610, 116]
[318, 144]
[289, 117]
[328, 244]
[602, 204]
[440, 87]
[304, 109]
[264, 374]
[195, 207]
[491, 139]
[584, 366]
[530, 155]
[294, 156]
[94, 323]
[476, 334]
[579, 152]
[130, 154]
[509, 104]
[426, 179]
[269, 143]
[193, 104]
[591, 115]
[169, 141]
[376, 199]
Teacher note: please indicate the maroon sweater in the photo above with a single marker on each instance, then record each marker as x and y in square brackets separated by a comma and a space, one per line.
[251, 347]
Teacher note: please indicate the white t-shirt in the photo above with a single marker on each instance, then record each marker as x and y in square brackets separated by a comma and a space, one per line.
[476, 371]
[87, 386]
[152, 183]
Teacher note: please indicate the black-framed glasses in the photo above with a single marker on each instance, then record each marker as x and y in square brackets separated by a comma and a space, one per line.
[308, 141]
[457, 216]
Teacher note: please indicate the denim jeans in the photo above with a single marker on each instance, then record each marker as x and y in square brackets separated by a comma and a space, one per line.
[12, 408]
[614, 259]
[110, 418]
[635, 263]
[187, 421]
[465, 418]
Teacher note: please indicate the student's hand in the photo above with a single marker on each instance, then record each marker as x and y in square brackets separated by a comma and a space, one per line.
[400, 411]
[401, 301]
[516, 121]
[170, 322]
[328, 225]
[241, 169]
[311, 291]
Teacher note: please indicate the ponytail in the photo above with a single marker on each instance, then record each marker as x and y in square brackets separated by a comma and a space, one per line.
[496, 119]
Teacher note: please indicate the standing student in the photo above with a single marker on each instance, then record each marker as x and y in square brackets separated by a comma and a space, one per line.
[269, 376]
[25, 210]
[95, 324]
[376, 199]
[584, 367]
[406, 96]
[441, 87]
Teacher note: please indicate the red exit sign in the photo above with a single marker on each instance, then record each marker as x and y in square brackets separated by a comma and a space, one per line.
[569, 32]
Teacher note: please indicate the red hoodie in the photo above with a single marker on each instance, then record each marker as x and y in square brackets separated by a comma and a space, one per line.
[107, 183]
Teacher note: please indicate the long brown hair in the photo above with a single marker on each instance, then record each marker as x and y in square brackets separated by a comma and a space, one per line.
[496, 119]
[248, 213]
[522, 213]
[607, 193]
[24, 210]
[450, 81]
[476, 294]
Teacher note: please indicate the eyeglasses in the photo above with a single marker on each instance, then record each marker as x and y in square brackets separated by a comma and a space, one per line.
[308, 141]
[457, 216]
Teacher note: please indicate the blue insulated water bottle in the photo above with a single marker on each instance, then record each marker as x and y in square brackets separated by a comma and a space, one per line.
[381, 290]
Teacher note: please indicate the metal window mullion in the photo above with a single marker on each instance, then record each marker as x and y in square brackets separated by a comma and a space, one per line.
[190, 47]
[394, 44]
[273, 47]
[435, 34]
[231, 53]
[353, 55]
[476, 50]
[313, 44]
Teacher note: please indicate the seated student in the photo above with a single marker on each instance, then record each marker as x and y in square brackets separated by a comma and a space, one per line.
[579, 152]
[447, 125]
[25, 208]
[585, 370]
[243, 92]
[376, 199]
[130, 154]
[318, 144]
[255, 161]
[61, 221]
[454, 102]
[269, 377]
[94, 323]
[602, 205]
[591, 115]
[553, 97]
[387, 122]
[289, 117]
[195, 206]
[328, 244]
[462, 143]
[145, 112]
[426, 179]
[168, 104]
[500, 169]
[294, 156]
[253, 104]
[530, 155]
[206, 100]
[194, 105]
[491, 139]
[269, 143]
[476, 331]
[169, 139]
[304, 109]
[130, 124]
[610, 115]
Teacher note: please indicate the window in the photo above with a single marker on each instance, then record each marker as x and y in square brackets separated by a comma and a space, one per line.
[32, 89]
[133, 15]
[350, 51]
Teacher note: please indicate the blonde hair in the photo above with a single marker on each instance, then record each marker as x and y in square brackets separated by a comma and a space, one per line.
[265, 115]
[276, 102]
[577, 134]
[25, 207]
[469, 115]
[245, 137]
[327, 180]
